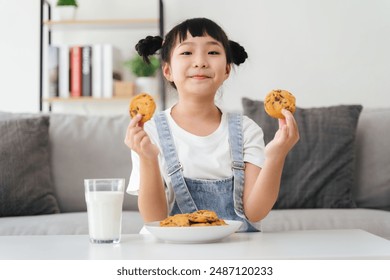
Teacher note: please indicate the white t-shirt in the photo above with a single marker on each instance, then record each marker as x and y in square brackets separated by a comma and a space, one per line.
[202, 157]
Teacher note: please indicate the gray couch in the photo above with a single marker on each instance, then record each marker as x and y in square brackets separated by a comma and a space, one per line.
[92, 147]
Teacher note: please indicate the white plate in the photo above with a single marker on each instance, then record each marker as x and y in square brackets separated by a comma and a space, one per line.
[193, 234]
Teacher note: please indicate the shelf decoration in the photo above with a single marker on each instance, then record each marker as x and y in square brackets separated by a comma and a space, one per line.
[65, 10]
[145, 73]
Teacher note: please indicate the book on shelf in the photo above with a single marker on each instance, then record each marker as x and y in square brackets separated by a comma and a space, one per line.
[97, 73]
[111, 64]
[53, 71]
[83, 70]
[75, 71]
[108, 82]
[63, 79]
[105, 62]
[86, 66]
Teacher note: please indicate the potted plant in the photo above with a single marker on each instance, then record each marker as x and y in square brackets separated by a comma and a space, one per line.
[145, 73]
[65, 10]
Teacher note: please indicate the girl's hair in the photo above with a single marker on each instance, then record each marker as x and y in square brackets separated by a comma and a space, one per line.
[197, 27]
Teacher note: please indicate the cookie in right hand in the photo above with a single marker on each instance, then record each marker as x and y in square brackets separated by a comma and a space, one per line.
[277, 100]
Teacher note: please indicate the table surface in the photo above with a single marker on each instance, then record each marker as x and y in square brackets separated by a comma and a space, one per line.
[311, 244]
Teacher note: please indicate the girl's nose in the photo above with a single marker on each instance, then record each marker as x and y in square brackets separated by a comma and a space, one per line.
[200, 62]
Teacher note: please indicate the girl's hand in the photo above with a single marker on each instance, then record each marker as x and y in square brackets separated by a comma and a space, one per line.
[285, 138]
[138, 140]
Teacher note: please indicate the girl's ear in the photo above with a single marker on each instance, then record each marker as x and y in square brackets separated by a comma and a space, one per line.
[228, 69]
[167, 72]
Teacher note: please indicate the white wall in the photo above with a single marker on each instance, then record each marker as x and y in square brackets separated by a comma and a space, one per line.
[325, 52]
[19, 55]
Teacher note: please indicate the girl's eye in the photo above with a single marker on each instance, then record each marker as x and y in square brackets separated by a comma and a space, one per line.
[185, 53]
[214, 53]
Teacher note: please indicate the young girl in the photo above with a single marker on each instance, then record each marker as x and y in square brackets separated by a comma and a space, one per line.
[193, 155]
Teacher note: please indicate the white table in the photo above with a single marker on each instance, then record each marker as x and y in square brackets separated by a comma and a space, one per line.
[316, 244]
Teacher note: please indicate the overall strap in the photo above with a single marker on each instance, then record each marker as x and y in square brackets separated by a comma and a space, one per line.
[238, 165]
[174, 168]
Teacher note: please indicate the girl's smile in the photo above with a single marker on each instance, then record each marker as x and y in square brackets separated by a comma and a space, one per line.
[201, 76]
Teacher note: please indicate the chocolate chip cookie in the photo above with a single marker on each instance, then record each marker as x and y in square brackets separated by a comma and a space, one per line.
[277, 100]
[143, 104]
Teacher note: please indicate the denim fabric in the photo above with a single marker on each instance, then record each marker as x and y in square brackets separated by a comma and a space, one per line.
[223, 196]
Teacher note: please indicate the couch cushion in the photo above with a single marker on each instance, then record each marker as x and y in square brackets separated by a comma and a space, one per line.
[375, 221]
[87, 147]
[26, 186]
[373, 159]
[64, 223]
[319, 170]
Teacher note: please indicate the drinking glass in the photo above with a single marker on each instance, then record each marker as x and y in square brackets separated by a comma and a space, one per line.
[104, 198]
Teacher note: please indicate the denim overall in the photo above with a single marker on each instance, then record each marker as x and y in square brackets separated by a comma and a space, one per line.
[224, 196]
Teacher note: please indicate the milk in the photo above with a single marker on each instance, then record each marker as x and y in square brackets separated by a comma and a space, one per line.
[104, 215]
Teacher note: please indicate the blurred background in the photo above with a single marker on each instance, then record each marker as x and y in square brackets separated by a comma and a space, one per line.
[325, 52]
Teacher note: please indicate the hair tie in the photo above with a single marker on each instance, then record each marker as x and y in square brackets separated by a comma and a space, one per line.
[148, 46]
[238, 53]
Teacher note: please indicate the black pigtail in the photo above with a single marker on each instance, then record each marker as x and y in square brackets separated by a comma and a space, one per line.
[238, 53]
[148, 46]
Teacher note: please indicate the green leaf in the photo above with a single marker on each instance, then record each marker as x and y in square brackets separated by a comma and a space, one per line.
[140, 68]
[67, 3]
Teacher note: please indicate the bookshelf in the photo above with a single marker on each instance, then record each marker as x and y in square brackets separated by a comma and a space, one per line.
[83, 99]
[90, 24]
[101, 23]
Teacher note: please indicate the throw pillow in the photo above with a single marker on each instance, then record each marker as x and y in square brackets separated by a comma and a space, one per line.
[319, 170]
[373, 161]
[26, 186]
[85, 147]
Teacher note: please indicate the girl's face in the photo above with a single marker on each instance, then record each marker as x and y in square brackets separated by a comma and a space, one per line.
[198, 66]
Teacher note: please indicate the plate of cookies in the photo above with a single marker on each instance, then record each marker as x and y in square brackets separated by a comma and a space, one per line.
[203, 226]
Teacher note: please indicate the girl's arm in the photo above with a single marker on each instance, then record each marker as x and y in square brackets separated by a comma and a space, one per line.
[152, 202]
[262, 184]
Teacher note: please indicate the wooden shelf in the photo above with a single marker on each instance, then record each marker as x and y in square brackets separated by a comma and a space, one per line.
[102, 23]
[84, 99]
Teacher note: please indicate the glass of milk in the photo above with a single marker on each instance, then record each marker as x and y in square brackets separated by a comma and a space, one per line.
[104, 198]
